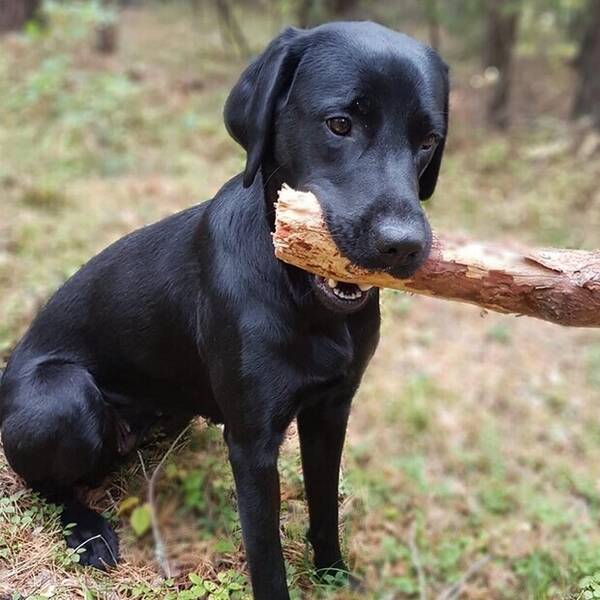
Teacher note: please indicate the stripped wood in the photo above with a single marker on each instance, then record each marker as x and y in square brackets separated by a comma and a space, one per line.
[561, 286]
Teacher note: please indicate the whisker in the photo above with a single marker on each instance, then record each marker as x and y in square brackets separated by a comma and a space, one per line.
[270, 176]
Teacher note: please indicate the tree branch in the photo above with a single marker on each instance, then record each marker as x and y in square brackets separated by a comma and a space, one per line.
[560, 286]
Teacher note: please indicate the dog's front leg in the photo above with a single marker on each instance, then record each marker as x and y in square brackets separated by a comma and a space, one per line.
[254, 465]
[322, 431]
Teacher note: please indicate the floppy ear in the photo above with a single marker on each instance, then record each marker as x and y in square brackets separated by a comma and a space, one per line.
[429, 177]
[250, 107]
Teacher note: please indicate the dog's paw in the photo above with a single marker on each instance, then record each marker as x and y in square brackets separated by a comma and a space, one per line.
[92, 537]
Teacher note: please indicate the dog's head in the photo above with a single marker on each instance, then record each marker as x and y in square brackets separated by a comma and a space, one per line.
[357, 114]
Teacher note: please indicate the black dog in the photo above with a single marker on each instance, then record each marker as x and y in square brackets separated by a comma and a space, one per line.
[194, 315]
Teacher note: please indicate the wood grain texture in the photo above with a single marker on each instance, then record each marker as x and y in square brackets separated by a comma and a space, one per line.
[560, 286]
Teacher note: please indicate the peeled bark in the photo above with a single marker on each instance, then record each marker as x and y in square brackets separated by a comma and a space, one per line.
[560, 286]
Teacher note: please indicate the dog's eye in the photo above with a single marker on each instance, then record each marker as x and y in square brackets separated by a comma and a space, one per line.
[339, 125]
[429, 142]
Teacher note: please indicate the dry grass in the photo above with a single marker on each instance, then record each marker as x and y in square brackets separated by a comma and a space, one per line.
[472, 437]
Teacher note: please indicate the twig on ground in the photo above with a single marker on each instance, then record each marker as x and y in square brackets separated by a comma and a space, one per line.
[143, 465]
[159, 544]
[416, 561]
[453, 592]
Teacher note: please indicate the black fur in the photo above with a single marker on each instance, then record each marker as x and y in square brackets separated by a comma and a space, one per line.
[194, 316]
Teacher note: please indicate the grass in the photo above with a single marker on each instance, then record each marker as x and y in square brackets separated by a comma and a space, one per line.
[472, 437]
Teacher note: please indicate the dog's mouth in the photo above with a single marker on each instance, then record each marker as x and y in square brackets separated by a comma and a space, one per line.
[340, 296]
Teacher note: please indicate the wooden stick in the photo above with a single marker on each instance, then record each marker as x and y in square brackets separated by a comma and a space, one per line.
[561, 286]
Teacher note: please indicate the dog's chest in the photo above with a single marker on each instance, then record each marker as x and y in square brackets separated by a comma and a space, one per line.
[333, 358]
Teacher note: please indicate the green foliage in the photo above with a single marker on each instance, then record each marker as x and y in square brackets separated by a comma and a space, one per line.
[546, 25]
[583, 567]
[589, 586]
[141, 520]
[464, 18]
[496, 498]
[46, 197]
[414, 466]
[74, 20]
[229, 586]
[539, 571]
[397, 304]
[81, 119]
[76, 120]
[290, 469]
[413, 408]
[23, 510]
[448, 557]
[493, 155]
[549, 512]
[208, 490]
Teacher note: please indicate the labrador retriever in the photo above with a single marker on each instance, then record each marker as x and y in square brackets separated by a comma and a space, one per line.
[194, 315]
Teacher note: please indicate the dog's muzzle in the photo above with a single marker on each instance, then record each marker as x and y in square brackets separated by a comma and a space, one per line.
[339, 296]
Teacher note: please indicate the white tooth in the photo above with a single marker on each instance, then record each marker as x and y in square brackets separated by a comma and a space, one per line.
[365, 288]
[332, 283]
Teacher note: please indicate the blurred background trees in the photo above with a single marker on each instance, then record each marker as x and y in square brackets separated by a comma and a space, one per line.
[587, 64]
[502, 19]
[14, 14]
[489, 30]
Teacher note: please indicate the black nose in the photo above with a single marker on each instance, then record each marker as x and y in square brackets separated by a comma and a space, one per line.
[399, 246]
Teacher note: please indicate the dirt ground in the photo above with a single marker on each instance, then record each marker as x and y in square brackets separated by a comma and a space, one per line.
[471, 468]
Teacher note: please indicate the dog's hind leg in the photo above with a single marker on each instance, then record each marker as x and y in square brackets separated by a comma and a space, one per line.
[57, 431]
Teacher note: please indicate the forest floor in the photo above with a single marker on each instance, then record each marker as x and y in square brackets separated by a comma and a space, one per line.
[472, 465]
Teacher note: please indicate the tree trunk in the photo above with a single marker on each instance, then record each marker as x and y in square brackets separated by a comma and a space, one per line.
[498, 46]
[107, 38]
[15, 13]
[587, 64]
[107, 32]
[340, 8]
[561, 286]
[305, 12]
[312, 12]
[432, 15]
[231, 32]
